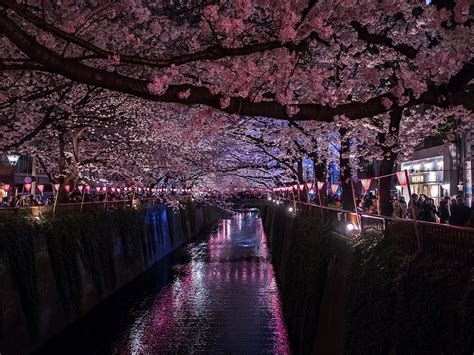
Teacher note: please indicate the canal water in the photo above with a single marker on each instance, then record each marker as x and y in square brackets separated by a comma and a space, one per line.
[215, 295]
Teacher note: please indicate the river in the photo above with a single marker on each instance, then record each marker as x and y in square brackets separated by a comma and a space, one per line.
[217, 294]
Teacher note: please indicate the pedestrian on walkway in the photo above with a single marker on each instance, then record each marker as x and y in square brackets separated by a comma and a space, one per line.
[443, 211]
[460, 214]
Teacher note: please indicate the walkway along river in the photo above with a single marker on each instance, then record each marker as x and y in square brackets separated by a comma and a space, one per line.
[217, 294]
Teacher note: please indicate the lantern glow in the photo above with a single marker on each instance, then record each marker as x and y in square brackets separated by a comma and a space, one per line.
[334, 188]
[366, 184]
[28, 187]
[67, 188]
[402, 178]
[320, 185]
[41, 188]
[56, 186]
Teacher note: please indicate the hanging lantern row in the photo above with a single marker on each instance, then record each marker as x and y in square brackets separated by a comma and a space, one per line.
[309, 186]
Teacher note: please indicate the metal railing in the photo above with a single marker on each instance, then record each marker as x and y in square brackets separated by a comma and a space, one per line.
[452, 242]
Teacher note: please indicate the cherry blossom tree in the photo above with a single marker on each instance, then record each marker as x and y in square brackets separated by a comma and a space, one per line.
[378, 70]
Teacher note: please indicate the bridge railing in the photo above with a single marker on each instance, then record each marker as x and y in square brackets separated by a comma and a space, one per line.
[452, 242]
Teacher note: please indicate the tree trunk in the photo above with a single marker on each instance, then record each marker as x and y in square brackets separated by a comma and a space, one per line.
[387, 165]
[344, 163]
[385, 184]
[320, 175]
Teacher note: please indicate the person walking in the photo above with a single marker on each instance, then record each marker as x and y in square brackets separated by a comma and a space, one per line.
[443, 211]
[413, 205]
[460, 213]
[403, 207]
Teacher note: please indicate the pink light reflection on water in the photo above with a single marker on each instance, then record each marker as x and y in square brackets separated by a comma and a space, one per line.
[207, 309]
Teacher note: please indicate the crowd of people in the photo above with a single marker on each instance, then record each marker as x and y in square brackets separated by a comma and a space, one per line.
[449, 211]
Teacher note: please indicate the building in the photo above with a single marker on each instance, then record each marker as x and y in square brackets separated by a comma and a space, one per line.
[438, 169]
[14, 173]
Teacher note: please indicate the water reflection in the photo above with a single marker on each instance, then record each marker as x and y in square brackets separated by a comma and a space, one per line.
[222, 298]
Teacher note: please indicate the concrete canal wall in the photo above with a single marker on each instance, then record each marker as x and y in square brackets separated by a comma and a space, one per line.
[366, 296]
[52, 271]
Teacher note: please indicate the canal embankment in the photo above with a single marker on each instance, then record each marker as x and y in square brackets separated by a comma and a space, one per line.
[366, 295]
[53, 270]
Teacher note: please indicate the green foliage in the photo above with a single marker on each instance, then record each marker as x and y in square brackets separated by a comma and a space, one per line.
[408, 304]
[17, 242]
[300, 252]
[95, 245]
[397, 303]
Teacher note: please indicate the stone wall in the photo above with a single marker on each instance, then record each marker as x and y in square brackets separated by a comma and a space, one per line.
[53, 270]
[366, 296]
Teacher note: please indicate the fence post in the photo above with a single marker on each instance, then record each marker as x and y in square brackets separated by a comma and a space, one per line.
[355, 206]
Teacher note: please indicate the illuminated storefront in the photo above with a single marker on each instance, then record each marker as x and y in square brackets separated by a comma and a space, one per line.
[427, 177]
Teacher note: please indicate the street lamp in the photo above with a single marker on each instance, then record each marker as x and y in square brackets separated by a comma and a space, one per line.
[13, 159]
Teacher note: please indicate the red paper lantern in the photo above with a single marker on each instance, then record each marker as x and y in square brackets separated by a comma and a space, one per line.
[6, 187]
[112, 189]
[28, 187]
[366, 184]
[97, 188]
[80, 188]
[67, 188]
[56, 186]
[309, 185]
[334, 188]
[104, 188]
[41, 188]
[402, 178]
[88, 188]
[320, 185]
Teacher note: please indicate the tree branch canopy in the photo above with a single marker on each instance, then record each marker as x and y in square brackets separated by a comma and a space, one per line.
[455, 92]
